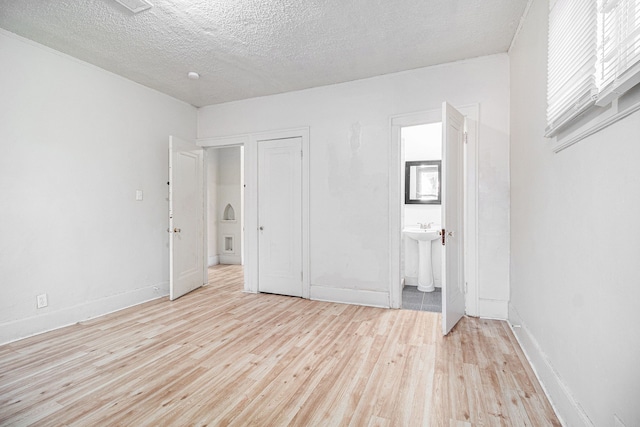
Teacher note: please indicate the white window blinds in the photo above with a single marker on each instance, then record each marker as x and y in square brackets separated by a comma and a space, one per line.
[620, 39]
[571, 67]
[594, 56]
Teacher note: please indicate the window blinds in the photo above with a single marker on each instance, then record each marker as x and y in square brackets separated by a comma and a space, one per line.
[620, 39]
[571, 67]
[594, 56]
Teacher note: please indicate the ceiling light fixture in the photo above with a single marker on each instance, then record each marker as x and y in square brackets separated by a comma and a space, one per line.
[135, 6]
[193, 75]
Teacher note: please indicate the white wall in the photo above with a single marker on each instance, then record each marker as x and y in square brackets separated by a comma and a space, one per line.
[77, 142]
[350, 139]
[575, 248]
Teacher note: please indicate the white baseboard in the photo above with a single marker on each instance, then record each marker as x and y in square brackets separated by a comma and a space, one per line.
[350, 296]
[51, 320]
[493, 309]
[230, 259]
[213, 260]
[568, 410]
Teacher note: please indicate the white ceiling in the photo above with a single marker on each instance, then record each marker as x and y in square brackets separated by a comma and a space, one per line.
[249, 48]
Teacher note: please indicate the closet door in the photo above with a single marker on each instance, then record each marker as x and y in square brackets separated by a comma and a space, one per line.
[280, 216]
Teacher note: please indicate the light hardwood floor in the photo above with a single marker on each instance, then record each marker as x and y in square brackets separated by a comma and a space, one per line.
[222, 357]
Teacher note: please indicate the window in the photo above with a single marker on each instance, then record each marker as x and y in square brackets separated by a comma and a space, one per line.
[619, 46]
[594, 57]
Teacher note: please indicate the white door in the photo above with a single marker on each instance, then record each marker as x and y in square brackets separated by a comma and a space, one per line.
[186, 217]
[280, 216]
[452, 217]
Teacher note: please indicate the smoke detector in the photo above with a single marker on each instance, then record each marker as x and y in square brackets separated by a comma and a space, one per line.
[135, 6]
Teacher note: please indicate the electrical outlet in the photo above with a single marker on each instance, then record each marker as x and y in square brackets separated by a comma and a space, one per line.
[42, 300]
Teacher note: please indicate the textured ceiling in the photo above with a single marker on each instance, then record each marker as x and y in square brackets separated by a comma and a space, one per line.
[248, 48]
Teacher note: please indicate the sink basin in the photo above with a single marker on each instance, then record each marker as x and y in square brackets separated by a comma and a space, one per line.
[424, 236]
[420, 234]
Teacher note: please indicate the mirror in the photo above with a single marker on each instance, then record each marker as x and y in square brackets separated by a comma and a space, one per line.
[422, 182]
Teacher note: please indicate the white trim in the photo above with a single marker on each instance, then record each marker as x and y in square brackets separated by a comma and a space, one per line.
[47, 321]
[213, 260]
[349, 296]
[604, 120]
[231, 259]
[566, 407]
[224, 141]
[472, 117]
[523, 18]
[471, 113]
[205, 217]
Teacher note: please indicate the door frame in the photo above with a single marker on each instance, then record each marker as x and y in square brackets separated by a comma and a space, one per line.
[471, 113]
[250, 243]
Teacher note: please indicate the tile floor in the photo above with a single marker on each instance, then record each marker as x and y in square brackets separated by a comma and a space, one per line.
[413, 299]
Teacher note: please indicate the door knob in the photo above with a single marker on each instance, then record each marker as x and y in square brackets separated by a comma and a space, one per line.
[450, 233]
[176, 230]
[261, 228]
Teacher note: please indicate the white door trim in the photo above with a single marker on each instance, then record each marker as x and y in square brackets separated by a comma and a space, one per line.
[250, 143]
[471, 113]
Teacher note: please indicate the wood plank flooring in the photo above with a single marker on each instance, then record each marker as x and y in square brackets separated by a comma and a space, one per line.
[218, 356]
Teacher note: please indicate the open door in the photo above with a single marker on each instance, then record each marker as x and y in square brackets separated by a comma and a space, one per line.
[452, 237]
[186, 217]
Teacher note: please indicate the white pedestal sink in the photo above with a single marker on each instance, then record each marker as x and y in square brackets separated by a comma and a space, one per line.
[425, 269]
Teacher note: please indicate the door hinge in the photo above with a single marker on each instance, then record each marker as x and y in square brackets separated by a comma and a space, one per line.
[301, 154]
[301, 276]
[442, 234]
[465, 287]
[466, 137]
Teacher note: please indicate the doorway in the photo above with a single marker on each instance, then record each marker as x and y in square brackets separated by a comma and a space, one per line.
[251, 238]
[225, 205]
[465, 208]
[421, 161]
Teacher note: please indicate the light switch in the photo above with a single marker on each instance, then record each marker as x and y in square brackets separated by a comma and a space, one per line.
[138, 195]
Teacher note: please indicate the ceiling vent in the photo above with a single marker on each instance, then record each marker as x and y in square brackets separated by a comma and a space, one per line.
[135, 6]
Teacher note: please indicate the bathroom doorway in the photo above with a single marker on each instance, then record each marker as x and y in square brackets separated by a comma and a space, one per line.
[421, 160]
[459, 208]
[225, 205]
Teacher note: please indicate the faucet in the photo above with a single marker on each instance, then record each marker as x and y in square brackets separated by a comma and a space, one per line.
[426, 225]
